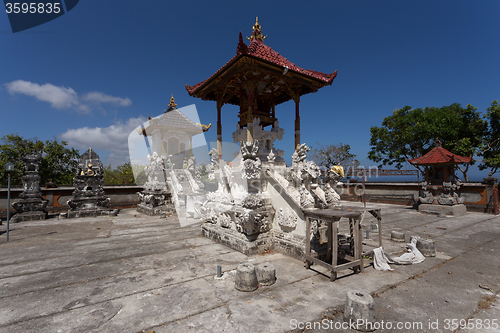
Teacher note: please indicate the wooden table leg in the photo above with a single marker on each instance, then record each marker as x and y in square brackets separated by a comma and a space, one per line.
[360, 247]
[308, 241]
[329, 246]
[335, 247]
[379, 222]
[376, 214]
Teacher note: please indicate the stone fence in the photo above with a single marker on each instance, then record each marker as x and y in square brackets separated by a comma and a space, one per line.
[121, 197]
[478, 196]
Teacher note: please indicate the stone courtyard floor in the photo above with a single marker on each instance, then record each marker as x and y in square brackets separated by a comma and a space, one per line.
[134, 273]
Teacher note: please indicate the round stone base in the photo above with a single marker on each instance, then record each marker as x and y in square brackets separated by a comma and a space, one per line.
[246, 278]
[426, 246]
[359, 308]
[397, 236]
[266, 274]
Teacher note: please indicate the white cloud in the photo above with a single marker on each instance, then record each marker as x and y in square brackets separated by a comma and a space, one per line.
[113, 139]
[98, 98]
[59, 97]
[64, 98]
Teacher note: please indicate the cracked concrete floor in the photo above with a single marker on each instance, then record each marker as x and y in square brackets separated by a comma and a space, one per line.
[135, 273]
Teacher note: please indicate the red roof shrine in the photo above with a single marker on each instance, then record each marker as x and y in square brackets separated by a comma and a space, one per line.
[257, 79]
[279, 72]
[439, 155]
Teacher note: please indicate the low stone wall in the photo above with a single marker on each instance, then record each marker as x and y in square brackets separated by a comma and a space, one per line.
[121, 197]
[477, 196]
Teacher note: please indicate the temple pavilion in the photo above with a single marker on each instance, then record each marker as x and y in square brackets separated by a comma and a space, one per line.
[257, 79]
[442, 162]
[172, 133]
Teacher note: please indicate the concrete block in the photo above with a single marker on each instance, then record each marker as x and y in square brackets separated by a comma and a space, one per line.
[359, 309]
[246, 278]
[266, 274]
[426, 246]
[323, 234]
[397, 236]
[455, 210]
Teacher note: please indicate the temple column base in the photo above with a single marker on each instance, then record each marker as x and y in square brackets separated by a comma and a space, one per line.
[455, 210]
[28, 216]
[285, 243]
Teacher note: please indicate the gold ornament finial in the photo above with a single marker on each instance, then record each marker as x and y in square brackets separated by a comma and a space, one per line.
[172, 102]
[257, 33]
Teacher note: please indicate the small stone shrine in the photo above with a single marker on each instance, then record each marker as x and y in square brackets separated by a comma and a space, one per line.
[156, 198]
[172, 134]
[31, 206]
[88, 196]
[174, 180]
[439, 189]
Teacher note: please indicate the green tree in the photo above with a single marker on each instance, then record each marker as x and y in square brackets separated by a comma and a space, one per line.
[491, 148]
[333, 154]
[122, 175]
[139, 174]
[59, 163]
[410, 133]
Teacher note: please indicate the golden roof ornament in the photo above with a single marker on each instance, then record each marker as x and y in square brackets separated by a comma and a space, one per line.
[257, 33]
[172, 102]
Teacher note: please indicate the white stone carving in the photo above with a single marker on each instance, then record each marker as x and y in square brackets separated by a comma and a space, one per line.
[309, 170]
[153, 171]
[271, 157]
[301, 153]
[286, 219]
[251, 169]
[224, 220]
[266, 138]
[320, 194]
[306, 199]
[332, 197]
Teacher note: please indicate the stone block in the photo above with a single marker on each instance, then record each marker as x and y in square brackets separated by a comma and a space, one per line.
[397, 236]
[455, 210]
[426, 246]
[266, 274]
[28, 216]
[246, 278]
[359, 308]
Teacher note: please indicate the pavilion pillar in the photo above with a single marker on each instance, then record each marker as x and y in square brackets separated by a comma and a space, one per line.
[297, 121]
[250, 113]
[273, 110]
[219, 128]
[190, 147]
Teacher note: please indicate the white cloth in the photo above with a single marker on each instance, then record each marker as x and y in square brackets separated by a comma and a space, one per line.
[381, 260]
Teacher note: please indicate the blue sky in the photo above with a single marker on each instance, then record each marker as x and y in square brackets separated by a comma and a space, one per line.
[94, 74]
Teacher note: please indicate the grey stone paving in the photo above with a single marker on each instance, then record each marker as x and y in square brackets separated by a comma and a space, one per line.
[135, 273]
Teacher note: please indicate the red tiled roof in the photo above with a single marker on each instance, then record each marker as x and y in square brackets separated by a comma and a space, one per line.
[439, 155]
[258, 49]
